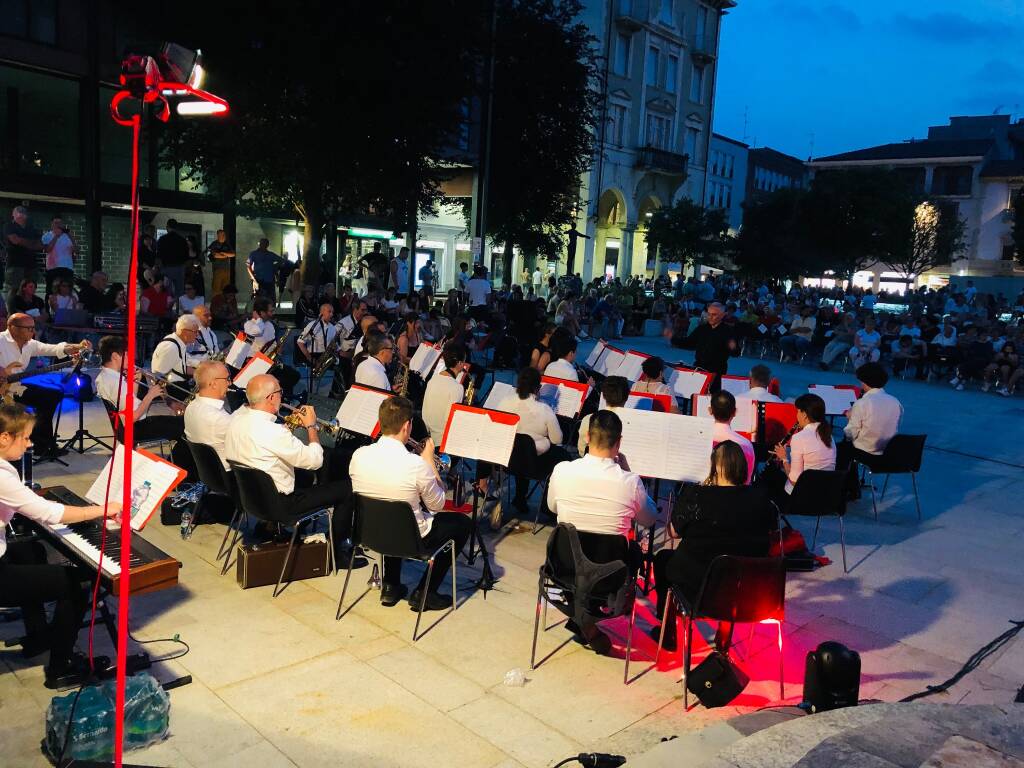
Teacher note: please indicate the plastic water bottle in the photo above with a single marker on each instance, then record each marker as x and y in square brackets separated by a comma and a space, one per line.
[139, 496]
[186, 521]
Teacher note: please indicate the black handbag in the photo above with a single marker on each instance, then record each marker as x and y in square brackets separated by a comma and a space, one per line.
[716, 681]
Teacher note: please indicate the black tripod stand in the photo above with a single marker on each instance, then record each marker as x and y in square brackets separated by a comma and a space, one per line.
[82, 434]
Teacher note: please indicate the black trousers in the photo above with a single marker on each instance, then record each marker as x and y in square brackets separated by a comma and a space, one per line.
[28, 581]
[44, 402]
[545, 465]
[337, 494]
[446, 525]
[168, 428]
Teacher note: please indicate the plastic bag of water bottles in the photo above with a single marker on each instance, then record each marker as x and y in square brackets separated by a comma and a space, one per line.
[146, 719]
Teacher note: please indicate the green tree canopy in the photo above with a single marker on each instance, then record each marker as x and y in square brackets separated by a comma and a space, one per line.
[770, 243]
[687, 232]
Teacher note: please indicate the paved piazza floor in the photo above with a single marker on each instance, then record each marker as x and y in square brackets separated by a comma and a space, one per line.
[279, 682]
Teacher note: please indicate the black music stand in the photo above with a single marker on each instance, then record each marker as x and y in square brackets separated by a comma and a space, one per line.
[82, 434]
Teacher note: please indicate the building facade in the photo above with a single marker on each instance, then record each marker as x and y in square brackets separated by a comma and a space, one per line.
[973, 165]
[655, 129]
[768, 170]
[727, 178]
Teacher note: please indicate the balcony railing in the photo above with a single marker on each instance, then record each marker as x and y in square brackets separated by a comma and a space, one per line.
[625, 19]
[702, 48]
[662, 161]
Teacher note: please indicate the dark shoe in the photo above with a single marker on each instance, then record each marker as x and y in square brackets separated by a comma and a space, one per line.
[343, 557]
[823, 366]
[573, 627]
[597, 640]
[53, 451]
[669, 643]
[74, 672]
[390, 595]
[435, 601]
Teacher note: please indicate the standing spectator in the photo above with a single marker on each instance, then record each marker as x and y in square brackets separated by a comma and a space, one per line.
[463, 276]
[537, 279]
[262, 266]
[400, 272]
[479, 290]
[426, 276]
[60, 253]
[95, 298]
[221, 252]
[376, 264]
[172, 250]
[23, 244]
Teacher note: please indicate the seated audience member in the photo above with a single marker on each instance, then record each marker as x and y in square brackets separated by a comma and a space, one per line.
[538, 421]
[597, 495]
[723, 516]
[797, 340]
[26, 301]
[95, 298]
[812, 447]
[615, 391]
[872, 420]
[906, 353]
[976, 355]
[387, 470]
[189, 300]
[62, 297]
[840, 341]
[224, 308]
[723, 410]
[944, 349]
[867, 344]
[1002, 369]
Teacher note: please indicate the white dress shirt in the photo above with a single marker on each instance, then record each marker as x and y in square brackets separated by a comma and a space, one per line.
[723, 432]
[758, 395]
[317, 336]
[16, 497]
[478, 289]
[170, 358]
[562, 369]
[254, 439]
[583, 439]
[806, 451]
[109, 384]
[386, 470]
[598, 496]
[372, 373]
[9, 353]
[261, 331]
[348, 328]
[441, 393]
[874, 419]
[536, 419]
[207, 422]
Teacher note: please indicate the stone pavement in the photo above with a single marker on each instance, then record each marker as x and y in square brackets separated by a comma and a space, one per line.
[279, 682]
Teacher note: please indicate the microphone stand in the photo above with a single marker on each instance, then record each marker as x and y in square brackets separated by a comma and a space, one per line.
[81, 434]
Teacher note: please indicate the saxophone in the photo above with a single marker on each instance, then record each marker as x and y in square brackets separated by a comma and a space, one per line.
[274, 348]
[401, 385]
[327, 360]
[469, 390]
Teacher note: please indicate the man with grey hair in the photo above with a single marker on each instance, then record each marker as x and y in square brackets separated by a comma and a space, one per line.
[372, 371]
[207, 345]
[170, 358]
[23, 245]
[255, 439]
[713, 343]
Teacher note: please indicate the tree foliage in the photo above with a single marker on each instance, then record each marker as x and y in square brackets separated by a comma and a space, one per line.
[335, 107]
[545, 106]
[687, 232]
[932, 235]
[770, 244]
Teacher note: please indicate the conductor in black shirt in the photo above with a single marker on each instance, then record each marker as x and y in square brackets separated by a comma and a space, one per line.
[713, 343]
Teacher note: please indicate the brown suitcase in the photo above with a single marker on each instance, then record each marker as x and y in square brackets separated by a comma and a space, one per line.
[260, 564]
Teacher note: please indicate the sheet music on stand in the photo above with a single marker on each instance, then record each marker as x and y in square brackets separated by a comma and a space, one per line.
[425, 358]
[735, 384]
[479, 433]
[686, 383]
[667, 446]
[745, 419]
[837, 400]
[595, 354]
[632, 365]
[610, 361]
[258, 364]
[238, 351]
[360, 408]
[565, 397]
[499, 391]
[639, 401]
[162, 476]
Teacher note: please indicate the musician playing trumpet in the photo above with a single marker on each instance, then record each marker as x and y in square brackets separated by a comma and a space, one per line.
[387, 470]
[27, 580]
[17, 347]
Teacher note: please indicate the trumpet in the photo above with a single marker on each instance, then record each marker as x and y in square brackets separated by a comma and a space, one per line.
[156, 378]
[442, 461]
[294, 419]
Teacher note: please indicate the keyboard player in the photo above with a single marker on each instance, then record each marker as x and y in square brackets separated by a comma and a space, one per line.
[27, 580]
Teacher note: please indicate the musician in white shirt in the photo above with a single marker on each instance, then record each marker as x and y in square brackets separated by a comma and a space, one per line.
[170, 357]
[387, 470]
[27, 580]
[723, 410]
[597, 495]
[372, 372]
[760, 380]
[652, 379]
[207, 345]
[206, 418]
[261, 329]
[538, 422]
[563, 357]
[813, 446]
[319, 334]
[255, 439]
[349, 332]
[17, 348]
[444, 390]
[615, 391]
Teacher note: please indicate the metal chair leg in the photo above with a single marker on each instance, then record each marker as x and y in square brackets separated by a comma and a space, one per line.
[344, 588]
[235, 521]
[455, 591]
[885, 485]
[814, 541]
[917, 500]
[287, 558]
[661, 634]
[629, 639]
[231, 548]
[332, 564]
[842, 542]
[423, 600]
[874, 503]
[782, 675]
[687, 654]
[536, 622]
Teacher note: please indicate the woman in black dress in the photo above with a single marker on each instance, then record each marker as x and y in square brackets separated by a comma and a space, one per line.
[540, 355]
[723, 516]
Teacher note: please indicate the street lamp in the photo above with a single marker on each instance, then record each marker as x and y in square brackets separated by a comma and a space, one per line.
[173, 73]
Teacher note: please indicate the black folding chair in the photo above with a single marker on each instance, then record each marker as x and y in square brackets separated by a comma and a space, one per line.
[260, 498]
[736, 589]
[389, 528]
[819, 493]
[524, 462]
[118, 426]
[218, 482]
[902, 456]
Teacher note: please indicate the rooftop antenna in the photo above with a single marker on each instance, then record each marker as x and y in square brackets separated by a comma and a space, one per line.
[746, 109]
[810, 152]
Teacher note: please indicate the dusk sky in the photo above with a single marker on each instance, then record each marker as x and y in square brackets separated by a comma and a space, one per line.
[857, 73]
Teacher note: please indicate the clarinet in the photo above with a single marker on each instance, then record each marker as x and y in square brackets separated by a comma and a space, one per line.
[784, 442]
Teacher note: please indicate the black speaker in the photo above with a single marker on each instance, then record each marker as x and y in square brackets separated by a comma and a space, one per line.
[831, 678]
